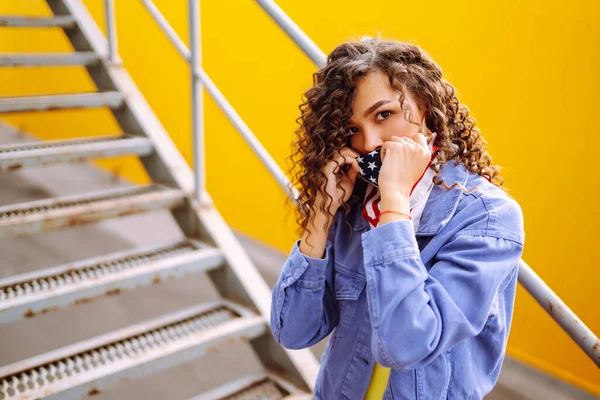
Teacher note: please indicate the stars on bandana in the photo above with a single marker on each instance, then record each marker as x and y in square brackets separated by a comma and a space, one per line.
[370, 164]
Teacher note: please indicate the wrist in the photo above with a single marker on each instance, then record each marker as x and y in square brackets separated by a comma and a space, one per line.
[393, 217]
[320, 221]
[395, 202]
[329, 205]
[314, 239]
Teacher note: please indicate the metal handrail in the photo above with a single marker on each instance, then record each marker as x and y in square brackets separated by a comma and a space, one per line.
[111, 29]
[294, 32]
[195, 61]
[536, 287]
[560, 312]
[223, 104]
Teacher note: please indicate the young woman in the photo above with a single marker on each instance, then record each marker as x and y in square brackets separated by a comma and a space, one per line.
[410, 248]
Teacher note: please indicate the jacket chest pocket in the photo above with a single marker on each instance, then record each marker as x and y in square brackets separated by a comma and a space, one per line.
[347, 292]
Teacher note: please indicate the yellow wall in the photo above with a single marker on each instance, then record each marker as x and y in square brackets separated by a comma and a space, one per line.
[528, 71]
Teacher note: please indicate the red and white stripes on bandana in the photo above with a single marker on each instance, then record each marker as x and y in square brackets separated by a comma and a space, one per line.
[418, 196]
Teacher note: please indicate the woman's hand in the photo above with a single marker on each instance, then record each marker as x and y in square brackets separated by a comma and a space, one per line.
[334, 172]
[403, 162]
[314, 239]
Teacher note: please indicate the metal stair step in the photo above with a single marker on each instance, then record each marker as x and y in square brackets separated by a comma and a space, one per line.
[51, 214]
[50, 59]
[43, 291]
[62, 21]
[60, 101]
[88, 367]
[259, 386]
[16, 156]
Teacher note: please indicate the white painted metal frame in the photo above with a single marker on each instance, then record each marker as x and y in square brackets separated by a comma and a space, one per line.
[51, 214]
[17, 156]
[41, 291]
[38, 60]
[300, 364]
[136, 359]
[222, 102]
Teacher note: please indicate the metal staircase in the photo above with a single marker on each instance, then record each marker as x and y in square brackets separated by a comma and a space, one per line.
[90, 366]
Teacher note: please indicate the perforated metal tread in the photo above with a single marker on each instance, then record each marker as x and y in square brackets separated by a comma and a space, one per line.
[60, 101]
[49, 59]
[40, 292]
[61, 21]
[50, 214]
[97, 364]
[17, 156]
[256, 387]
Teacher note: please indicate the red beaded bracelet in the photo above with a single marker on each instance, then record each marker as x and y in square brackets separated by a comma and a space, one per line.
[395, 212]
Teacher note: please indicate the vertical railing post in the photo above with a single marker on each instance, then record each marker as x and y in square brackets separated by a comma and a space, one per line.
[197, 100]
[111, 30]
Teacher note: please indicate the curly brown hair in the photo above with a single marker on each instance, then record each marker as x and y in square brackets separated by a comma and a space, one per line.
[327, 108]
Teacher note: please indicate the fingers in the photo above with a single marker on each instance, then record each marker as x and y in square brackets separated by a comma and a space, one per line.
[395, 141]
[347, 151]
[392, 142]
[421, 140]
[352, 174]
[346, 156]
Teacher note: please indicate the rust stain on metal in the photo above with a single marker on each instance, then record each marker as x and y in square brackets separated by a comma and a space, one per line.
[227, 342]
[93, 391]
[30, 313]
[550, 306]
[596, 346]
[157, 279]
[48, 309]
[82, 301]
[113, 292]
[14, 167]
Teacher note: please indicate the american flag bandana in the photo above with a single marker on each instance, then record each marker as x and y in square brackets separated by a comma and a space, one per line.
[418, 194]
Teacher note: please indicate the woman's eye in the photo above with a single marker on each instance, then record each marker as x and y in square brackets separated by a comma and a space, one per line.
[383, 115]
[353, 130]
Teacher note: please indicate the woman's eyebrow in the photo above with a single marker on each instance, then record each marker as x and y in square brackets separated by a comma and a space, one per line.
[375, 106]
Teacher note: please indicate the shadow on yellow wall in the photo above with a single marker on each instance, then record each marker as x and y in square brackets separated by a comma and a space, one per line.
[527, 71]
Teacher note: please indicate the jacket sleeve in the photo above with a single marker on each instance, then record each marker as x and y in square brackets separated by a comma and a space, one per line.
[418, 314]
[303, 308]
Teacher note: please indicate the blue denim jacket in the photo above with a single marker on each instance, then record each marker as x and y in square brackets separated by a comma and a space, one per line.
[434, 306]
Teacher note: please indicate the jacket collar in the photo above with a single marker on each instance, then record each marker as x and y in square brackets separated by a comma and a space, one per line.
[440, 206]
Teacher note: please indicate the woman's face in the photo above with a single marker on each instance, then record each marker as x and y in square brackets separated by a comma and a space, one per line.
[377, 114]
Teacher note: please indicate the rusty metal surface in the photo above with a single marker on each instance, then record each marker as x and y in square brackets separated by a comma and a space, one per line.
[41, 292]
[57, 213]
[60, 101]
[51, 59]
[15, 157]
[560, 312]
[266, 386]
[89, 367]
[257, 386]
[64, 21]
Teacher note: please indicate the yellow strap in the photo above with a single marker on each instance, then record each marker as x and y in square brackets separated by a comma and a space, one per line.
[378, 383]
